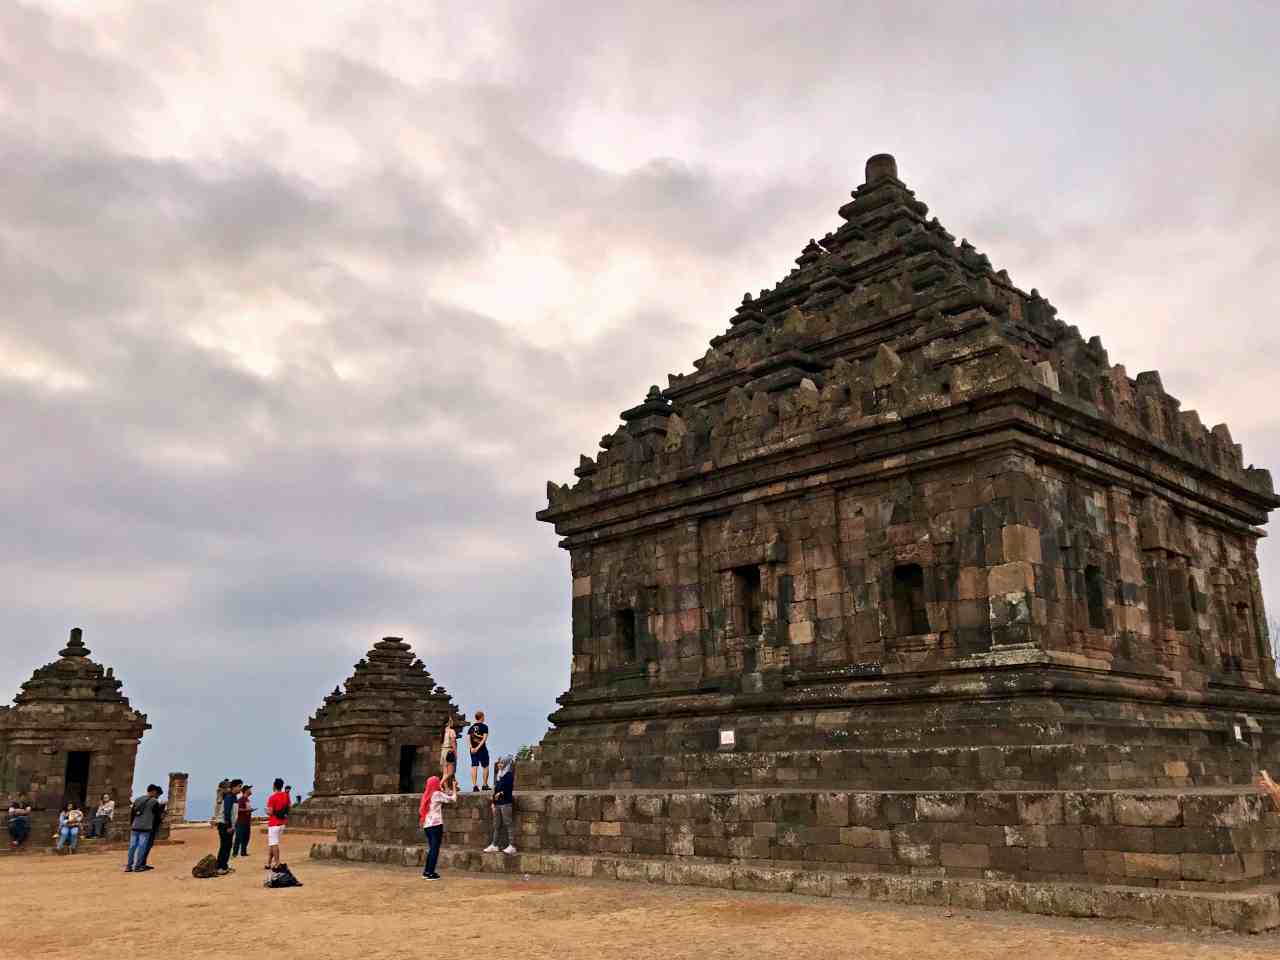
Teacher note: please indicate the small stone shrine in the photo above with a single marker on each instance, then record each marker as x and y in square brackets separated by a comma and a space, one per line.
[381, 733]
[903, 527]
[70, 735]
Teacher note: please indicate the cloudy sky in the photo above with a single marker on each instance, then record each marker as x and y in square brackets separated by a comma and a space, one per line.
[301, 304]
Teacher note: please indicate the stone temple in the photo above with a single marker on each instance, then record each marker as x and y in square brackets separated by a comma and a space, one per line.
[70, 735]
[382, 732]
[904, 527]
[906, 593]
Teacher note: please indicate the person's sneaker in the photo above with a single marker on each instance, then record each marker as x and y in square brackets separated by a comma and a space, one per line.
[475, 789]
[491, 848]
[510, 850]
[433, 876]
[485, 787]
[128, 869]
[140, 869]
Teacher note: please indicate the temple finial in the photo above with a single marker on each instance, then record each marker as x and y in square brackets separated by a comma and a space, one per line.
[75, 646]
[880, 166]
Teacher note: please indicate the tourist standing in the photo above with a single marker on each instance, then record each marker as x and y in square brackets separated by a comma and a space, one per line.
[431, 818]
[277, 817]
[144, 819]
[69, 822]
[162, 810]
[504, 805]
[19, 821]
[102, 818]
[244, 822]
[478, 740]
[449, 751]
[227, 826]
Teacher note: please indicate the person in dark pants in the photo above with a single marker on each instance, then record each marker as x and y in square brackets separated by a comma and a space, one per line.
[478, 741]
[431, 817]
[227, 827]
[102, 818]
[19, 822]
[244, 822]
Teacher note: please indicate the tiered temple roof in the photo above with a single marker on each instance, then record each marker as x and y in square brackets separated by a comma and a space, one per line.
[390, 687]
[885, 318]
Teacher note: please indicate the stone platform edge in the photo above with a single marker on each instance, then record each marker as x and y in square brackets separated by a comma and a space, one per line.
[1252, 911]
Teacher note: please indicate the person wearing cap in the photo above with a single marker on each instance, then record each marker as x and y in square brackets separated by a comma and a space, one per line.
[244, 822]
[504, 805]
[227, 827]
[478, 742]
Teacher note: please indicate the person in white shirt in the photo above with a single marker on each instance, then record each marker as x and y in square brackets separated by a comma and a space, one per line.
[431, 818]
[102, 818]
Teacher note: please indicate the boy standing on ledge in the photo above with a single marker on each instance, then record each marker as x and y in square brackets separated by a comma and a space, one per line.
[478, 737]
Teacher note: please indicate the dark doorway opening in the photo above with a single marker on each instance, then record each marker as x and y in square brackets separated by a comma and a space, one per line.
[77, 779]
[909, 609]
[625, 629]
[408, 760]
[1093, 590]
[747, 580]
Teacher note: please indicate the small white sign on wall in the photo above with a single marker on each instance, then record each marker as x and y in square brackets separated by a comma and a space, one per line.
[1239, 733]
[726, 738]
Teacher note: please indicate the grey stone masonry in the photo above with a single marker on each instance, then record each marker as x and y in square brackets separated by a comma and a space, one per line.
[900, 505]
[1195, 859]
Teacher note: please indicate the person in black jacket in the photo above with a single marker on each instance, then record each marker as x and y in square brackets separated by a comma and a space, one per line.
[503, 806]
[226, 824]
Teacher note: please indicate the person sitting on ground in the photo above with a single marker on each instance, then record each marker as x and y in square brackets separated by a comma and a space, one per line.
[431, 818]
[69, 822]
[102, 818]
[277, 817]
[144, 820]
[503, 806]
[244, 822]
[19, 821]
[449, 751]
[478, 741]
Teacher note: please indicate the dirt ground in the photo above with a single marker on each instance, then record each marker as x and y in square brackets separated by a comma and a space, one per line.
[86, 907]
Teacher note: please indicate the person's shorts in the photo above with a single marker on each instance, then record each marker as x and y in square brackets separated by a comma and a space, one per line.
[480, 758]
[274, 834]
[450, 757]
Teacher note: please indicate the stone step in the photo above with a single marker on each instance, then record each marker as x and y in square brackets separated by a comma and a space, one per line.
[1251, 911]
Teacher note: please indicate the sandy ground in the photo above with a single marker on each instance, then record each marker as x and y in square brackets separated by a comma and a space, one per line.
[87, 907]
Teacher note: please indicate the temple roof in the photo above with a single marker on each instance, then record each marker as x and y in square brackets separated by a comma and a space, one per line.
[74, 677]
[885, 318]
[388, 678]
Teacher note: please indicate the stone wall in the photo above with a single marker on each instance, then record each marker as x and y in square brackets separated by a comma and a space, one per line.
[1209, 841]
[1197, 859]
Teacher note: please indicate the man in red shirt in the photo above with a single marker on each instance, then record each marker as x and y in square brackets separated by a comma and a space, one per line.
[277, 816]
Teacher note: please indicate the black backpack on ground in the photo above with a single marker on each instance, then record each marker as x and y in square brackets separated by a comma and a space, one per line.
[282, 876]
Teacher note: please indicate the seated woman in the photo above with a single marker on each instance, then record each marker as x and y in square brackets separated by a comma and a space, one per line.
[69, 821]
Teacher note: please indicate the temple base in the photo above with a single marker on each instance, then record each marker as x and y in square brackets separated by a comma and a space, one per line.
[1195, 858]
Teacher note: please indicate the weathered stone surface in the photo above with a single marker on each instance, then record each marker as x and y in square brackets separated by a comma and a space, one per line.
[904, 528]
[71, 735]
[382, 731]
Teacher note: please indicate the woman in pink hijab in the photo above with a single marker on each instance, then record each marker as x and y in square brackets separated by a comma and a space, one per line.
[431, 818]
